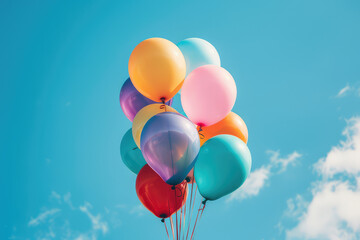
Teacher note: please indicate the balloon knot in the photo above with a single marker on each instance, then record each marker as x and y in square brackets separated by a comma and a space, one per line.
[204, 202]
[202, 136]
[162, 220]
[135, 148]
[163, 105]
[188, 179]
[173, 187]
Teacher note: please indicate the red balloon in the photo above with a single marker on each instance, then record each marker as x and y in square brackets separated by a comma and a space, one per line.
[157, 196]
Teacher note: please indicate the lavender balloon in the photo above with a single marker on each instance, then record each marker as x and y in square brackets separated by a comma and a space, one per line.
[170, 145]
[132, 101]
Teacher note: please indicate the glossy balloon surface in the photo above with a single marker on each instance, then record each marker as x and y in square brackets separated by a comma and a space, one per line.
[198, 52]
[223, 165]
[157, 68]
[232, 124]
[170, 145]
[144, 115]
[131, 154]
[208, 95]
[158, 196]
[132, 101]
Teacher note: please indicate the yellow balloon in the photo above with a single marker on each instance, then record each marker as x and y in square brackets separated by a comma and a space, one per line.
[157, 69]
[144, 115]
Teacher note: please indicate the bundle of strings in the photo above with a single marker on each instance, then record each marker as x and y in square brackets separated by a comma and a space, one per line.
[183, 228]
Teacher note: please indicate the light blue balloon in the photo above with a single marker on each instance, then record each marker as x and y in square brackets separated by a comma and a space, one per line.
[130, 153]
[223, 164]
[198, 52]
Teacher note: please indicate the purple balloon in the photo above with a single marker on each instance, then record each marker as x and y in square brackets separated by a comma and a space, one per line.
[170, 145]
[132, 101]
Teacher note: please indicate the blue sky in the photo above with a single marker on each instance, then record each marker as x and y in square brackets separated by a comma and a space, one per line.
[296, 66]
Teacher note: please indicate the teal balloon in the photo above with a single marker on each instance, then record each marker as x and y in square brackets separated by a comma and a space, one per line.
[130, 154]
[223, 164]
[198, 52]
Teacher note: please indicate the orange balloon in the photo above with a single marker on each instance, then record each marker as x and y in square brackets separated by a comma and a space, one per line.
[232, 124]
[157, 69]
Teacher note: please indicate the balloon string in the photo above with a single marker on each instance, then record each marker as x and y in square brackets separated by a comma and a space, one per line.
[194, 198]
[191, 208]
[204, 202]
[197, 216]
[167, 233]
[187, 232]
[163, 105]
[181, 212]
[171, 222]
[172, 227]
[176, 187]
[202, 136]
[200, 210]
[184, 207]
[177, 229]
[180, 224]
[184, 222]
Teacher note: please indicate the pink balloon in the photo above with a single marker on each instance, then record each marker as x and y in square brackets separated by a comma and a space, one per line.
[208, 95]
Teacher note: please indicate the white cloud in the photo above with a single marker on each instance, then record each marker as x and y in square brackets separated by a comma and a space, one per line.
[85, 237]
[344, 158]
[252, 185]
[353, 90]
[50, 225]
[138, 210]
[97, 224]
[43, 216]
[344, 91]
[334, 211]
[258, 178]
[296, 206]
[67, 199]
[283, 163]
[56, 196]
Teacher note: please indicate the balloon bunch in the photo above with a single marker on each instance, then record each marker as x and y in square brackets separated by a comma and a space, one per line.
[169, 151]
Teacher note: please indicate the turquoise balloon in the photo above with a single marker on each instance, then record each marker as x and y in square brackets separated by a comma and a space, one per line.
[198, 52]
[130, 153]
[223, 164]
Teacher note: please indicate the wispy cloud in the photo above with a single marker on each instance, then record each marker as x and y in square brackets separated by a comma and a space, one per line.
[295, 206]
[344, 91]
[96, 221]
[348, 90]
[43, 216]
[67, 200]
[138, 210]
[51, 225]
[56, 196]
[283, 162]
[333, 212]
[259, 178]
